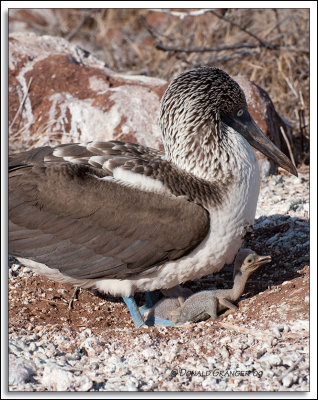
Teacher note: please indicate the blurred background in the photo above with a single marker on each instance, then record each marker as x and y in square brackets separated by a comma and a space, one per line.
[267, 46]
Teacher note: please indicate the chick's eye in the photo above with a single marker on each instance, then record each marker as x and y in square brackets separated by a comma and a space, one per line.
[240, 113]
[249, 260]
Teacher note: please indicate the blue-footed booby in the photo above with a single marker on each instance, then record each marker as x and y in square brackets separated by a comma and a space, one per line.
[124, 218]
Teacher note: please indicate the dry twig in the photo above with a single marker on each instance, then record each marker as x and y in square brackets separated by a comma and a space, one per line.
[259, 334]
[80, 24]
[292, 367]
[162, 47]
[267, 45]
[74, 297]
[291, 155]
[21, 104]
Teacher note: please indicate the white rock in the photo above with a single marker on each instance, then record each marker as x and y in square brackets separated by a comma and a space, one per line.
[20, 370]
[13, 348]
[89, 345]
[276, 332]
[33, 347]
[288, 380]
[15, 267]
[288, 361]
[83, 383]
[57, 379]
[300, 325]
[149, 353]
[270, 360]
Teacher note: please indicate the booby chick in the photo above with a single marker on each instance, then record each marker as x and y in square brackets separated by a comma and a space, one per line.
[208, 303]
[124, 218]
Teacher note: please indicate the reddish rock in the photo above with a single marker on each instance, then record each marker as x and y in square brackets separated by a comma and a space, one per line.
[73, 97]
[60, 93]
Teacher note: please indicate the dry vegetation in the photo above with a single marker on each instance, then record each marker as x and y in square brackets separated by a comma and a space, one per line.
[268, 46]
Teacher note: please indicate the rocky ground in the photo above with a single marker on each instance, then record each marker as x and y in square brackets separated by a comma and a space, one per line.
[264, 346]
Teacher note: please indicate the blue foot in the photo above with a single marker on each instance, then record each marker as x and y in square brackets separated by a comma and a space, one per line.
[161, 322]
[134, 311]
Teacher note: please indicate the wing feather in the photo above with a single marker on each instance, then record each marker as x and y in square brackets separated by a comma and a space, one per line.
[64, 217]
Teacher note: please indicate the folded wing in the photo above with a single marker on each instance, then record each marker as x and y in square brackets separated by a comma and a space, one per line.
[66, 215]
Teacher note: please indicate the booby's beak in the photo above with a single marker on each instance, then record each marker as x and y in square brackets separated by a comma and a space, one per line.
[247, 127]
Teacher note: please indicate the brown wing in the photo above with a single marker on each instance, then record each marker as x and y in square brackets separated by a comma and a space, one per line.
[107, 156]
[93, 153]
[62, 215]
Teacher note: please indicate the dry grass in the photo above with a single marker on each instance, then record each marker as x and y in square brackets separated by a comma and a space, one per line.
[126, 40]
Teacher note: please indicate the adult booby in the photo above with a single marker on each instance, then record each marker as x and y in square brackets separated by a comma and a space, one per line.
[124, 218]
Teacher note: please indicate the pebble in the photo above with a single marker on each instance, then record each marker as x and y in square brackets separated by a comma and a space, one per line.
[89, 345]
[224, 352]
[15, 267]
[270, 360]
[83, 384]
[288, 380]
[62, 291]
[276, 332]
[33, 347]
[260, 353]
[288, 361]
[273, 341]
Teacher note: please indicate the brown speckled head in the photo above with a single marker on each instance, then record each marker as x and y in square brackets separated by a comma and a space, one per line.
[204, 90]
[198, 110]
[201, 94]
[191, 114]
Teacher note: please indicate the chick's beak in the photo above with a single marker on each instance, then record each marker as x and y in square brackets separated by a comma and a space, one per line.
[261, 260]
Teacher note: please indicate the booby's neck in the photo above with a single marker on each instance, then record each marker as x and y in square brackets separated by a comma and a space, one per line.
[209, 155]
[231, 169]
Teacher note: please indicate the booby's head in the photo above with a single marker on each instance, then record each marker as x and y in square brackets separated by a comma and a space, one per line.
[198, 109]
[247, 261]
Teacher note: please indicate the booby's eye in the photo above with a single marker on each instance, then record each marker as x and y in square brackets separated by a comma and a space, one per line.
[240, 112]
[249, 260]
